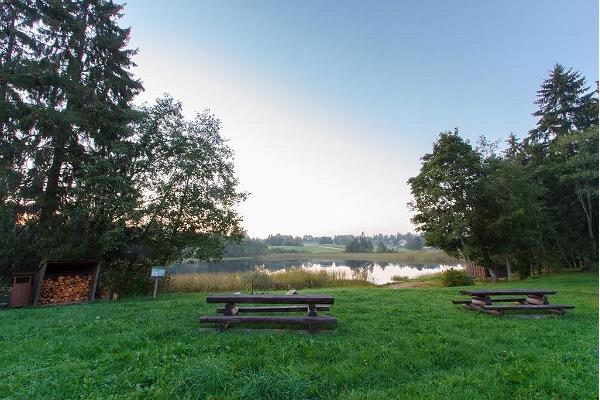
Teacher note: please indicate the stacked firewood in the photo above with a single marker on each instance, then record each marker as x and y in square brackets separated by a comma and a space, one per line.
[65, 289]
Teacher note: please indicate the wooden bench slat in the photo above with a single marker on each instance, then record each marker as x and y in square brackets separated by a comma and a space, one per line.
[498, 300]
[275, 309]
[507, 292]
[270, 299]
[531, 307]
[236, 319]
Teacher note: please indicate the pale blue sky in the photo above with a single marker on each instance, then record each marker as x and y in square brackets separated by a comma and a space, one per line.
[329, 105]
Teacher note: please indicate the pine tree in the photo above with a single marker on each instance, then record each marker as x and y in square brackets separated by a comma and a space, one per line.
[565, 103]
[65, 110]
[17, 44]
[567, 109]
[87, 100]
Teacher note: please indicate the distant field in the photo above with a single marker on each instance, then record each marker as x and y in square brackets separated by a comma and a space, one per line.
[307, 248]
[409, 257]
[389, 344]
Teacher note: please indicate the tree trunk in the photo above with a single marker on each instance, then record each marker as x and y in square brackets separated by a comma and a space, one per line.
[492, 273]
[50, 196]
[62, 134]
[586, 204]
[508, 270]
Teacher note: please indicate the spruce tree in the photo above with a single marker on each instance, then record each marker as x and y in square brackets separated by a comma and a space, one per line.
[65, 110]
[565, 104]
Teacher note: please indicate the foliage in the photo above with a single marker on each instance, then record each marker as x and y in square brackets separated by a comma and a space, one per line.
[151, 349]
[125, 278]
[284, 240]
[343, 240]
[532, 208]
[360, 244]
[325, 240]
[565, 104]
[456, 277]
[247, 247]
[64, 117]
[414, 242]
[83, 174]
[381, 247]
[443, 193]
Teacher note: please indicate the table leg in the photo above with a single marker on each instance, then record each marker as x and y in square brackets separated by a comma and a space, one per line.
[230, 309]
[478, 302]
[312, 312]
[535, 299]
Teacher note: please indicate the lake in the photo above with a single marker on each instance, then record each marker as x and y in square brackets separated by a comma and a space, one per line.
[378, 273]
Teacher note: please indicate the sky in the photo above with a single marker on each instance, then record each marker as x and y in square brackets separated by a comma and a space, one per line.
[330, 105]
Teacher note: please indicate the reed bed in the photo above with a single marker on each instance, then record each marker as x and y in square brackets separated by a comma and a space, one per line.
[260, 280]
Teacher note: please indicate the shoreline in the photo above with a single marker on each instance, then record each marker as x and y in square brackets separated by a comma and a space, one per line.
[408, 257]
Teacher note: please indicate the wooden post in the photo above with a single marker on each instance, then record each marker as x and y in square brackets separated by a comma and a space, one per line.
[155, 287]
[481, 301]
[537, 299]
[230, 309]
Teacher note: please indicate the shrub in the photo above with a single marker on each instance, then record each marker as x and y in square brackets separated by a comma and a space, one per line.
[125, 278]
[456, 277]
[258, 279]
[399, 278]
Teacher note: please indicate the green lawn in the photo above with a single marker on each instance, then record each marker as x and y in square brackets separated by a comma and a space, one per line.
[410, 343]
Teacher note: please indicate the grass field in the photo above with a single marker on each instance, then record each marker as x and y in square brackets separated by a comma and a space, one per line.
[410, 343]
[307, 248]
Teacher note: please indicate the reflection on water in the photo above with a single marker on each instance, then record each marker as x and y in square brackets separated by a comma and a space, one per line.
[377, 273]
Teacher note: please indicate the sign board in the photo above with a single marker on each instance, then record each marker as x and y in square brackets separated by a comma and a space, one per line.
[157, 271]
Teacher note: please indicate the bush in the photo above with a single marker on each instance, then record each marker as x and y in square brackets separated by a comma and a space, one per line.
[455, 277]
[400, 278]
[259, 279]
[125, 278]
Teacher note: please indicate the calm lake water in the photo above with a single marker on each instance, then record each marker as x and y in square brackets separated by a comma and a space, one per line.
[377, 273]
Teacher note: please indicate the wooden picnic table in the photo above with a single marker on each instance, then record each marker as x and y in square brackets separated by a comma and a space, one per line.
[528, 300]
[310, 304]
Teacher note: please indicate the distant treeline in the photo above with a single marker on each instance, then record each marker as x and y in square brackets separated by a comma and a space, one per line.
[247, 247]
[361, 244]
[408, 241]
[284, 240]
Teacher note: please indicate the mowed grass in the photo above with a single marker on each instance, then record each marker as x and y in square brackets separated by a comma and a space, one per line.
[405, 344]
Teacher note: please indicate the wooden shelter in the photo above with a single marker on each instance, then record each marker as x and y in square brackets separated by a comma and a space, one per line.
[66, 282]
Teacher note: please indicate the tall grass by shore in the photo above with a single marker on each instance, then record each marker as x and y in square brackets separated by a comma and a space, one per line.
[260, 280]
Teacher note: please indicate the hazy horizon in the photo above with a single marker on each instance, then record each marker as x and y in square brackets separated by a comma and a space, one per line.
[329, 106]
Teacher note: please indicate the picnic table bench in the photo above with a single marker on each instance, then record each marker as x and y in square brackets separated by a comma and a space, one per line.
[527, 300]
[310, 304]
